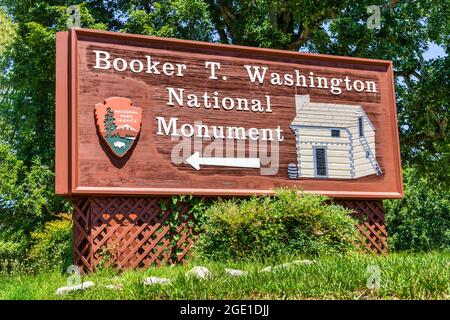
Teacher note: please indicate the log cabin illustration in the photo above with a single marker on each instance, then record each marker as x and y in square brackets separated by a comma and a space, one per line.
[335, 141]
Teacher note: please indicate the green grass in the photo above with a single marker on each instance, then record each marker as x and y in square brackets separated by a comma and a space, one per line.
[403, 276]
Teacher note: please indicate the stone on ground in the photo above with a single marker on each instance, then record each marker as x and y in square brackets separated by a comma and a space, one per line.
[155, 280]
[81, 286]
[114, 286]
[267, 269]
[199, 272]
[235, 272]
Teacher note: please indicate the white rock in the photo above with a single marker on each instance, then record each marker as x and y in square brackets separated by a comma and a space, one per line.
[285, 265]
[288, 265]
[155, 280]
[114, 286]
[294, 263]
[267, 269]
[199, 272]
[235, 272]
[81, 286]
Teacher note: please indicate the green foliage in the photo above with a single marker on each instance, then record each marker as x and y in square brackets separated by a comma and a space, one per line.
[411, 276]
[27, 202]
[284, 224]
[174, 208]
[29, 111]
[425, 119]
[27, 99]
[9, 249]
[421, 220]
[184, 19]
[52, 246]
[27, 198]
[12, 254]
[274, 24]
[7, 32]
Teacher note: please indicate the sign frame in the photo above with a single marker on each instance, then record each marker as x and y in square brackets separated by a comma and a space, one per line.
[67, 96]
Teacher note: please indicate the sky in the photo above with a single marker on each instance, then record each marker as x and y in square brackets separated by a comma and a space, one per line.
[434, 51]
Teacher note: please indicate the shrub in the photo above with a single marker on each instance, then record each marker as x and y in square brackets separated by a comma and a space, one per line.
[52, 248]
[11, 257]
[27, 197]
[285, 224]
[421, 220]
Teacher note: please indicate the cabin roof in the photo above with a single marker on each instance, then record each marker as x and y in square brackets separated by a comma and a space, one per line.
[329, 115]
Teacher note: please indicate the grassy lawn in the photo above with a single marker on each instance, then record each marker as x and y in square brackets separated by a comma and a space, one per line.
[403, 276]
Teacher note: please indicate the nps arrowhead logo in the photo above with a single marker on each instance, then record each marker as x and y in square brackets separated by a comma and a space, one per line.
[118, 123]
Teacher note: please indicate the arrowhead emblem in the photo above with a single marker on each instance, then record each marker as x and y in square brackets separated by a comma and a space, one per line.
[118, 123]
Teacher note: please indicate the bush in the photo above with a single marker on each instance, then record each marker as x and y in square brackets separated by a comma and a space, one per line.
[52, 248]
[27, 203]
[285, 224]
[421, 220]
[11, 257]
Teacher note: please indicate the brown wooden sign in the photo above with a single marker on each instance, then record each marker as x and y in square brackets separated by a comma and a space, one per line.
[141, 115]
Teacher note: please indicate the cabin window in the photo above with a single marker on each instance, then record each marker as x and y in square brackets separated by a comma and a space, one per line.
[361, 126]
[320, 162]
[335, 132]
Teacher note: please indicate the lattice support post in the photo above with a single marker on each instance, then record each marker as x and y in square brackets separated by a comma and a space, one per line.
[372, 226]
[128, 232]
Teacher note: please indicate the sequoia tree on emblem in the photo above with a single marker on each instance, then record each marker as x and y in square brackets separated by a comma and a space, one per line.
[118, 123]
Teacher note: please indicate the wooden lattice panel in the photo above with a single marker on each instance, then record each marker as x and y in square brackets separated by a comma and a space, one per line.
[371, 226]
[128, 232]
[82, 246]
[134, 232]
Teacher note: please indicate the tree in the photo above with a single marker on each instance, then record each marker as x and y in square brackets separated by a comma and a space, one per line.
[7, 32]
[420, 221]
[27, 82]
[184, 19]
[110, 126]
[7, 36]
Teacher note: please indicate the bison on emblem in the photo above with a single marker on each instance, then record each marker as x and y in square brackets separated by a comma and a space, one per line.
[118, 123]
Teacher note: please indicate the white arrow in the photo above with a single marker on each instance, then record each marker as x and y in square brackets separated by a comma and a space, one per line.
[195, 160]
